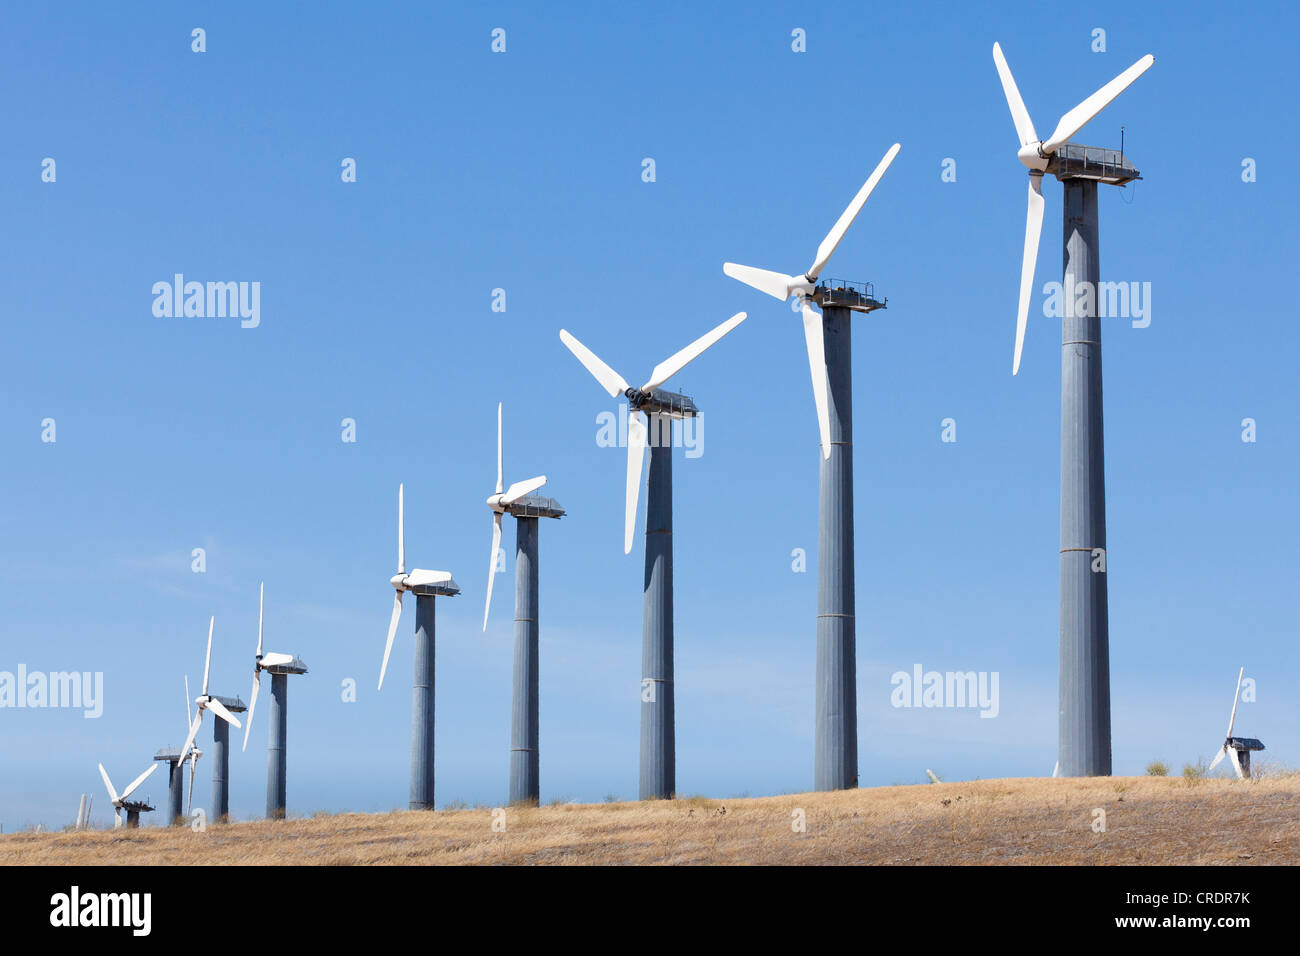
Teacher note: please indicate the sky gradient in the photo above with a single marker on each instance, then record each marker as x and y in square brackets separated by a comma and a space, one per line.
[522, 171]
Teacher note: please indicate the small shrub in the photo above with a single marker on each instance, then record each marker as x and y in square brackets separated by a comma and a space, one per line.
[1157, 768]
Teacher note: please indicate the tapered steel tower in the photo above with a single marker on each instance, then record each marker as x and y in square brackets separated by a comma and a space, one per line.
[1084, 743]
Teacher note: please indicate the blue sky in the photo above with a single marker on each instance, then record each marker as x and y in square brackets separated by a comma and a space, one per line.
[522, 171]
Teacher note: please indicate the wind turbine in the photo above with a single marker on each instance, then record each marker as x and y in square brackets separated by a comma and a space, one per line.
[518, 500]
[1084, 728]
[426, 586]
[281, 667]
[830, 360]
[658, 772]
[1236, 748]
[133, 808]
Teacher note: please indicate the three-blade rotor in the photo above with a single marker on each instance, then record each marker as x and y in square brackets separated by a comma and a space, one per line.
[500, 503]
[1227, 750]
[118, 800]
[639, 399]
[782, 286]
[206, 701]
[1036, 155]
[403, 581]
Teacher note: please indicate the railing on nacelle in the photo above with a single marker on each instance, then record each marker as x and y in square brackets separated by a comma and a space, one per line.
[1096, 162]
[846, 292]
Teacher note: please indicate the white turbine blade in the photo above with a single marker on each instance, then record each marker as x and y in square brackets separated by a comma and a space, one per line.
[1033, 231]
[112, 794]
[1078, 117]
[678, 361]
[1217, 757]
[816, 341]
[521, 488]
[189, 806]
[392, 629]
[261, 596]
[636, 440]
[252, 705]
[117, 818]
[207, 660]
[1019, 115]
[609, 380]
[1236, 763]
[189, 702]
[500, 478]
[1235, 698]
[775, 284]
[138, 780]
[219, 709]
[194, 732]
[834, 237]
[401, 531]
[492, 564]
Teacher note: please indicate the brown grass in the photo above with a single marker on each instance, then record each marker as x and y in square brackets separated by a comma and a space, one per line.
[1150, 820]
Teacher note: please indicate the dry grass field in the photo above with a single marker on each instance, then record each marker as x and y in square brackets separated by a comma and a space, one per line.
[1149, 820]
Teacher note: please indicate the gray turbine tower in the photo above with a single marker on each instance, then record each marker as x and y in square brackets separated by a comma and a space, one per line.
[175, 761]
[176, 779]
[658, 776]
[220, 763]
[519, 500]
[830, 358]
[426, 586]
[1084, 728]
[281, 667]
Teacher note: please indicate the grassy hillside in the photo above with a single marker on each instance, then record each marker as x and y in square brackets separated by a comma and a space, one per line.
[1149, 820]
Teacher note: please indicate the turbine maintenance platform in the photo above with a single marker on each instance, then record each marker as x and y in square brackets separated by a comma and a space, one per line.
[441, 589]
[295, 666]
[536, 506]
[658, 401]
[1110, 166]
[843, 294]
